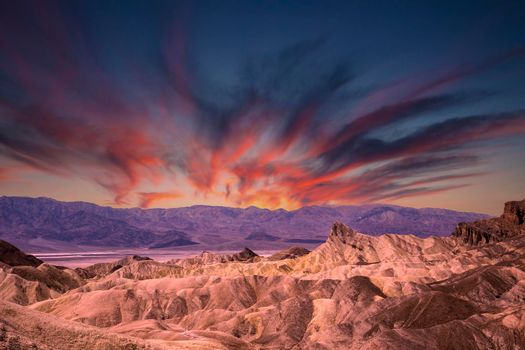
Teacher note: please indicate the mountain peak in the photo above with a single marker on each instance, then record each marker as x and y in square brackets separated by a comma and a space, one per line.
[341, 232]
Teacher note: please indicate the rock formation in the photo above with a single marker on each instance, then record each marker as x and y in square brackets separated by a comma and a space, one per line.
[11, 255]
[514, 212]
[509, 224]
[341, 232]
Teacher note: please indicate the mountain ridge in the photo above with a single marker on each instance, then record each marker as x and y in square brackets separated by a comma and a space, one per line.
[251, 207]
[41, 224]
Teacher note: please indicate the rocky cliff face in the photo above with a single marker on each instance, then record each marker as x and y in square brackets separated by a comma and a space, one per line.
[509, 224]
[514, 212]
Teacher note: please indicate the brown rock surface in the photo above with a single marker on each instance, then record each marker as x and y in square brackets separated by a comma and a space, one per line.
[11, 255]
[509, 224]
[514, 212]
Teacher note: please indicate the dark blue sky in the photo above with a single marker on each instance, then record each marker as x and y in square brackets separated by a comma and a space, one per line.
[272, 103]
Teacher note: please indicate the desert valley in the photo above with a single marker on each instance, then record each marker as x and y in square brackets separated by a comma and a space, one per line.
[354, 291]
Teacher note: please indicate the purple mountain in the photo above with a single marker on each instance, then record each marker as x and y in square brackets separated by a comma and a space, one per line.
[47, 224]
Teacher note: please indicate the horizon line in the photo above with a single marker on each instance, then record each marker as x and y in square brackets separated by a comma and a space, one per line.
[241, 208]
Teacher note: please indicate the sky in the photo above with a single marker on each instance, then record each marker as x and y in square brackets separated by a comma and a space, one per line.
[276, 104]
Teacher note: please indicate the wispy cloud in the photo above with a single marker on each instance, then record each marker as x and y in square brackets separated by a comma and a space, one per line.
[291, 132]
[147, 199]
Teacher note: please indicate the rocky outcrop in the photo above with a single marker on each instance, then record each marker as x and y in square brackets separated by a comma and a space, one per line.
[342, 233]
[514, 212]
[244, 255]
[509, 224]
[11, 255]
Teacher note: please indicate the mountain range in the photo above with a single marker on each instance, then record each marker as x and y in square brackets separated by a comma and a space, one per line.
[43, 224]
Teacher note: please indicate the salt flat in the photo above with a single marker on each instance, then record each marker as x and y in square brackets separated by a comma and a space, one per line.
[83, 259]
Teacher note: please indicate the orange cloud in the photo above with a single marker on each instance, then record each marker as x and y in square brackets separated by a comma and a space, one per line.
[147, 199]
[83, 123]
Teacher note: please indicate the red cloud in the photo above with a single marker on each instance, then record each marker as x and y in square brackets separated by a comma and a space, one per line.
[75, 120]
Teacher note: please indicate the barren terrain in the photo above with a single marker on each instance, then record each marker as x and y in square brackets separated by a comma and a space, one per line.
[355, 291]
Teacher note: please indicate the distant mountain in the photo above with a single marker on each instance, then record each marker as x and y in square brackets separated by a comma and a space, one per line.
[46, 224]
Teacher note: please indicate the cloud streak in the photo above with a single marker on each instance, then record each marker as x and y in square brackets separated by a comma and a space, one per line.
[289, 133]
[147, 199]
